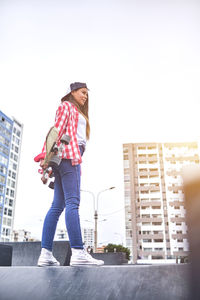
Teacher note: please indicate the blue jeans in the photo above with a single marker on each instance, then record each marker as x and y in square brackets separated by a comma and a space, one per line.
[66, 195]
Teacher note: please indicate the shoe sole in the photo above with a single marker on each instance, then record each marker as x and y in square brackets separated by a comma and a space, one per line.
[85, 264]
[47, 265]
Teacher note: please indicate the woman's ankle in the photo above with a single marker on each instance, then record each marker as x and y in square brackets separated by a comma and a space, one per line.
[46, 251]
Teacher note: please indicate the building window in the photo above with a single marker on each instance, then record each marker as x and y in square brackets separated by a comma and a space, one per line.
[10, 212]
[16, 149]
[2, 189]
[2, 179]
[15, 157]
[13, 175]
[12, 193]
[18, 133]
[3, 169]
[147, 241]
[7, 231]
[157, 223]
[3, 160]
[12, 184]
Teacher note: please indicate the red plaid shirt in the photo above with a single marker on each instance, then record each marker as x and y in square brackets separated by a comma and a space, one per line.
[66, 121]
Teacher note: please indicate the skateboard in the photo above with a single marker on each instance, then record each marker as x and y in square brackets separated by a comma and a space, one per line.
[53, 156]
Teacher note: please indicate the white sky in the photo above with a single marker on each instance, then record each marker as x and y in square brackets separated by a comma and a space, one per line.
[141, 62]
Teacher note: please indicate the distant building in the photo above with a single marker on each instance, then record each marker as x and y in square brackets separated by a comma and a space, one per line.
[100, 249]
[88, 237]
[155, 213]
[61, 234]
[21, 236]
[10, 148]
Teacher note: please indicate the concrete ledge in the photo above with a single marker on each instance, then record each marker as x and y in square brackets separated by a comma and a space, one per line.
[161, 282]
[27, 253]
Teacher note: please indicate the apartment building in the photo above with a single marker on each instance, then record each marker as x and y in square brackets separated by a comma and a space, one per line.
[21, 235]
[88, 237]
[10, 147]
[155, 213]
[61, 234]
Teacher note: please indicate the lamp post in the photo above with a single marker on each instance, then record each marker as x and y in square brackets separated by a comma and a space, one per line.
[96, 213]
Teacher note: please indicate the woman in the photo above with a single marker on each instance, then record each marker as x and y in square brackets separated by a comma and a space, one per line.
[71, 119]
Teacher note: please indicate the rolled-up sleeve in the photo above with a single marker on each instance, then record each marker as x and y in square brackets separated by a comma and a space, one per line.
[61, 119]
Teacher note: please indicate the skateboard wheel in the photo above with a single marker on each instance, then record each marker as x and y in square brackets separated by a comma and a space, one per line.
[54, 161]
[65, 139]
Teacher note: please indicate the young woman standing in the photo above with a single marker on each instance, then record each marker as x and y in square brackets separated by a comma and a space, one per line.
[71, 119]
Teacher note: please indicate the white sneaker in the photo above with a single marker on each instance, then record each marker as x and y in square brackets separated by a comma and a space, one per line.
[82, 257]
[47, 259]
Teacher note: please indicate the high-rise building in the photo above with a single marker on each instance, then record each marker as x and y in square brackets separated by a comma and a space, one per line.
[10, 147]
[155, 213]
[88, 236]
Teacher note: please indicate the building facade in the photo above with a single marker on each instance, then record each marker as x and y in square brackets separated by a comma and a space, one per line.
[21, 236]
[155, 213]
[88, 237]
[61, 234]
[10, 147]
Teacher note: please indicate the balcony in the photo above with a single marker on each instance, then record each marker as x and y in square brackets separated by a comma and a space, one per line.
[177, 219]
[160, 253]
[150, 236]
[176, 203]
[150, 188]
[149, 219]
[179, 236]
[175, 188]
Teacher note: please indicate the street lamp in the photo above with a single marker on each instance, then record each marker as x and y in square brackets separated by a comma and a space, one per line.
[96, 212]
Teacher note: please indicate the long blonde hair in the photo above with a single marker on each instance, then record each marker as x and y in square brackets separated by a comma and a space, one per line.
[82, 110]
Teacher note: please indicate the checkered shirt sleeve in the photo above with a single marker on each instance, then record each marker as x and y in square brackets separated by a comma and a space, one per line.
[66, 121]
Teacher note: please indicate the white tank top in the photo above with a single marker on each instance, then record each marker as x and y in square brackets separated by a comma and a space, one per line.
[81, 130]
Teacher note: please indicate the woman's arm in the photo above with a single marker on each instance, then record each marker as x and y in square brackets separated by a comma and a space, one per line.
[61, 119]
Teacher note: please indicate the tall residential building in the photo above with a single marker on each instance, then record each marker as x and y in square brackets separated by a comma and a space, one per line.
[10, 147]
[154, 200]
[88, 237]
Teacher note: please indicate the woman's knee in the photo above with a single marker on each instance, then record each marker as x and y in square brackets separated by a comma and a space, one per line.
[72, 202]
[56, 210]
